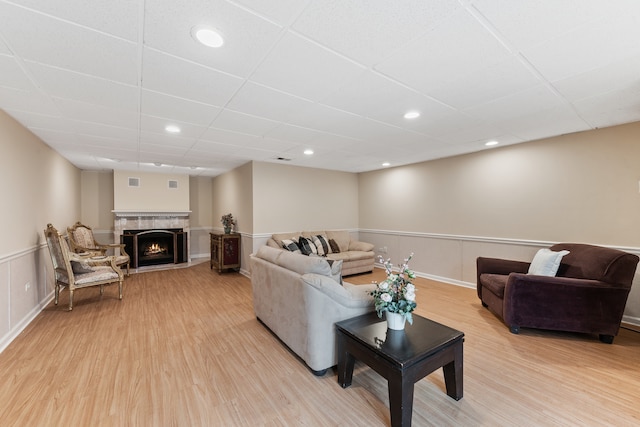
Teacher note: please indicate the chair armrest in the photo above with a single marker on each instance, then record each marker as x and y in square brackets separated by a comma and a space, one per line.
[94, 251]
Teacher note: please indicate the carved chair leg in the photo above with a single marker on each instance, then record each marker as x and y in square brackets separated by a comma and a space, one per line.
[120, 289]
[57, 294]
[70, 300]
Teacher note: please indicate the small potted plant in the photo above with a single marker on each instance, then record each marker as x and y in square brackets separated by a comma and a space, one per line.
[396, 295]
[228, 223]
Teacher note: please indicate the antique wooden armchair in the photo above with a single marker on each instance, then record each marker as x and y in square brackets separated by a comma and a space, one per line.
[75, 271]
[81, 240]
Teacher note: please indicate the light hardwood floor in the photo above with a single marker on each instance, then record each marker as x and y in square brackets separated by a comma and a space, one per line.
[183, 348]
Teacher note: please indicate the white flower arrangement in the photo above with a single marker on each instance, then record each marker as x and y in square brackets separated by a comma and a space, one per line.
[396, 294]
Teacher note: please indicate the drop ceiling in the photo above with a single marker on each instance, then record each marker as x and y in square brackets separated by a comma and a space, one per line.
[98, 81]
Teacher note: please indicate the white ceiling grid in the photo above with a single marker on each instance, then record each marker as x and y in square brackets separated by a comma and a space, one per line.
[98, 81]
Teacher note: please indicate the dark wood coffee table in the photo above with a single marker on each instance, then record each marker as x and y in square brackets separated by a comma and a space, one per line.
[402, 357]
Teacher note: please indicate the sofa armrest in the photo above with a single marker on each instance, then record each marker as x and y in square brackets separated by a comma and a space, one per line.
[347, 295]
[355, 245]
[500, 266]
[563, 303]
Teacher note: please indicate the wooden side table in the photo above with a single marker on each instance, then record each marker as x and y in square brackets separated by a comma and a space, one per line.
[225, 251]
[402, 357]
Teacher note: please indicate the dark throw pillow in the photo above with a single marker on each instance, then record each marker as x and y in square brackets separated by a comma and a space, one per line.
[334, 246]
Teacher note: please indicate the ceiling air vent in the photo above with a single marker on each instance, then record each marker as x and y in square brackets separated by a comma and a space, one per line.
[134, 182]
[173, 184]
[284, 159]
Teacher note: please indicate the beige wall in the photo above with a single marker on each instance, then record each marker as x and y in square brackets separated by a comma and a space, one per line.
[581, 187]
[200, 201]
[153, 194]
[290, 198]
[97, 200]
[37, 185]
[233, 193]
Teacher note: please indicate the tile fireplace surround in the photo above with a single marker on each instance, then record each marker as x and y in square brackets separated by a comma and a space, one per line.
[144, 220]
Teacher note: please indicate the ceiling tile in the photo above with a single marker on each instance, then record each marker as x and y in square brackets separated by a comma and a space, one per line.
[116, 17]
[258, 100]
[179, 109]
[295, 62]
[529, 23]
[161, 73]
[168, 25]
[618, 75]
[28, 101]
[86, 112]
[43, 39]
[239, 122]
[611, 108]
[80, 87]
[12, 75]
[428, 62]
[369, 30]
[280, 11]
[518, 104]
[495, 81]
[588, 47]
[157, 125]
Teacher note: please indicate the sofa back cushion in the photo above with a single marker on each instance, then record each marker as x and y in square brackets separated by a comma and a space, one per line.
[279, 237]
[295, 262]
[341, 237]
[596, 263]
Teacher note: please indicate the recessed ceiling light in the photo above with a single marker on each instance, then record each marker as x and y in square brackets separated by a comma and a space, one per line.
[386, 164]
[491, 143]
[207, 36]
[411, 115]
[308, 152]
[172, 129]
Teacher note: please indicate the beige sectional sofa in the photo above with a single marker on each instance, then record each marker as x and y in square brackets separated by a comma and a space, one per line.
[300, 298]
[357, 257]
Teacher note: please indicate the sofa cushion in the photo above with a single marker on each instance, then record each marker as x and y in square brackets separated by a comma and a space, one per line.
[350, 256]
[335, 249]
[342, 238]
[494, 283]
[355, 245]
[546, 262]
[291, 246]
[306, 246]
[295, 262]
[279, 237]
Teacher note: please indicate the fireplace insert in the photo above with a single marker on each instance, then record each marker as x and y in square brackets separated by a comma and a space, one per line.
[154, 247]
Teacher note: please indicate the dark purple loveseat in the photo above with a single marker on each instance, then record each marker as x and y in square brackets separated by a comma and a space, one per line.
[588, 294]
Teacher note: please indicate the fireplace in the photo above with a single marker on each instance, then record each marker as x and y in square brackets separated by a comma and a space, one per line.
[154, 247]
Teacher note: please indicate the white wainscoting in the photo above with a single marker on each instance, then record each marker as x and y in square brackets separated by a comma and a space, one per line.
[452, 258]
[26, 287]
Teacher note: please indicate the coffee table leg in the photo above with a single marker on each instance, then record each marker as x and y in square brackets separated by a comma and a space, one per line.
[346, 363]
[400, 401]
[453, 374]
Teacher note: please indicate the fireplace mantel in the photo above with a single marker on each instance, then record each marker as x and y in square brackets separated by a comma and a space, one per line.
[154, 214]
[149, 220]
